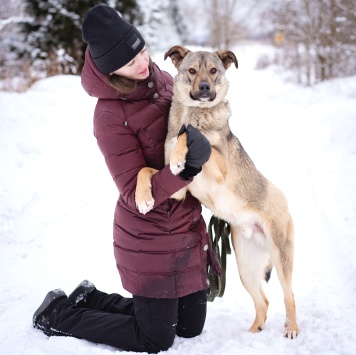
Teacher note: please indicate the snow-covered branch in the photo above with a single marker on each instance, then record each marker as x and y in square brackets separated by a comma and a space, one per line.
[15, 19]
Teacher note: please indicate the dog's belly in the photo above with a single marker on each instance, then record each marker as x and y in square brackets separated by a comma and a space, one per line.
[222, 202]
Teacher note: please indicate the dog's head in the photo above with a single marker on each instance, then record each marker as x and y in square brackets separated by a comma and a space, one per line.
[201, 77]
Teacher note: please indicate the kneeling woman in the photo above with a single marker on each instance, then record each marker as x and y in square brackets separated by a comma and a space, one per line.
[162, 256]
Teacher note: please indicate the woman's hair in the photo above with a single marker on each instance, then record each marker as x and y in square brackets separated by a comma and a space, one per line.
[124, 85]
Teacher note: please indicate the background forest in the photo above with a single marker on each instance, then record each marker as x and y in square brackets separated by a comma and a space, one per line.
[315, 40]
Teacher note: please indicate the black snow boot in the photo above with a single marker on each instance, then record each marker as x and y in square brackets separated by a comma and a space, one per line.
[41, 316]
[81, 292]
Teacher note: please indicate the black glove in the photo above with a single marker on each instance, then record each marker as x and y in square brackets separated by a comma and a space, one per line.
[199, 150]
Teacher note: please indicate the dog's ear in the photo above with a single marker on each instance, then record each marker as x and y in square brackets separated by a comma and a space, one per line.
[227, 57]
[176, 53]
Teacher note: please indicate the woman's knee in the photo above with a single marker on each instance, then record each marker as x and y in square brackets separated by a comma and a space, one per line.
[157, 321]
[192, 314]
[189, 333]
[158, 342]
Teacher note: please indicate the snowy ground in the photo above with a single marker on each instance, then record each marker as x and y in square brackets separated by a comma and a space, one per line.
[57, 201]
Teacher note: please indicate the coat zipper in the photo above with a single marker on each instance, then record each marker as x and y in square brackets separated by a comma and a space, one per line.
[169, 206]
[123, 99]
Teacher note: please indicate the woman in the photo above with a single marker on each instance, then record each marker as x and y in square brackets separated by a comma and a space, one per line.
[162, 256]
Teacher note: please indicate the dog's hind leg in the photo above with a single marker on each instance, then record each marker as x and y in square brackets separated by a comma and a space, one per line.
[253, 263]
[178, 153]
[143, 194]
[282, 258]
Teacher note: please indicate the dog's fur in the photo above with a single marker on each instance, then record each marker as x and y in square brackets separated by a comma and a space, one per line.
[229, 184]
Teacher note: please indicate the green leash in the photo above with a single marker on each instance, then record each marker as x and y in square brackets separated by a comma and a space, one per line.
[219, 232]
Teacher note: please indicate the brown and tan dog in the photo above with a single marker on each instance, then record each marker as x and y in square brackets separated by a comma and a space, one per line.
[229, 184]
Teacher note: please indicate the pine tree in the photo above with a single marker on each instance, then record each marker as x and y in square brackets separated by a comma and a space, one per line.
[158, 26]
[11, 14]
[54, 42]
[178, 21]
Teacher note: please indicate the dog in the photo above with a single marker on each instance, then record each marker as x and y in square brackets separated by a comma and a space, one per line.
[229, 184]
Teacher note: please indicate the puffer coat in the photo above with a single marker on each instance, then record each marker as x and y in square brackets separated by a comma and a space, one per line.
[164, 253]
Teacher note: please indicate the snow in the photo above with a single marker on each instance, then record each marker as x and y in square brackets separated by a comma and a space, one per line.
[57, 201]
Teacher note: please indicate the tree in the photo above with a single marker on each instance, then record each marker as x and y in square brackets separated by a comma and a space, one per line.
[54, 39]
[224, 25]
[50, 41]
[178, 20]
[11, 14]
[158, 24]
[320, 40]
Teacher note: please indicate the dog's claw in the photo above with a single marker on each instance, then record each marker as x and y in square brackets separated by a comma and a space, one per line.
[291, 334]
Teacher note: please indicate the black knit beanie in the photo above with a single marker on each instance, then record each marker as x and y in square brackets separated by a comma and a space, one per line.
[112, 41]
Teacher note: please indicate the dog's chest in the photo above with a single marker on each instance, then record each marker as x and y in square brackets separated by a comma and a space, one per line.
[199, 119]
[205, 119]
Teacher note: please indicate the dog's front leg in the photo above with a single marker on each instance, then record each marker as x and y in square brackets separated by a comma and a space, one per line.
[177, 157]
[143, 194]
[216, 166]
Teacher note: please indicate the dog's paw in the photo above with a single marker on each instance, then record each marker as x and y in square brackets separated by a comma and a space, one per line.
[144, 200]
[291, 332]
[177, 167]
[145, 206]
[256, 328]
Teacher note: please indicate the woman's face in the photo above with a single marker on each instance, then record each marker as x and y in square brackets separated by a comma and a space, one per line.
[137, 68]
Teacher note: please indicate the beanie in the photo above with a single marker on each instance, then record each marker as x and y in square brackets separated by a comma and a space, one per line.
[112, 41]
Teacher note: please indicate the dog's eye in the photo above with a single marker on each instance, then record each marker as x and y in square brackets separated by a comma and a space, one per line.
[192, 71]
[213, 71]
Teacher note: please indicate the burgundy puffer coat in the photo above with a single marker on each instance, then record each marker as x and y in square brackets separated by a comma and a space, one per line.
[162, 254]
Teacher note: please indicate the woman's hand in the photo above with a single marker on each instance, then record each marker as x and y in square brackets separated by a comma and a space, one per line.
[199, 150]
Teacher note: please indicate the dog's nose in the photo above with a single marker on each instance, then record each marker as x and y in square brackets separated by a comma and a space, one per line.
[204, 87]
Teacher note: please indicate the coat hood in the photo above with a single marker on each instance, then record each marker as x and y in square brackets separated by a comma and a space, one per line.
[96, 84]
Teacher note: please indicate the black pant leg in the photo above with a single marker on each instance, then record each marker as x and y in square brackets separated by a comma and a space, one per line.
[117, 330]
[112, 303]
[151, 329]
[157, 319]
[191, 314]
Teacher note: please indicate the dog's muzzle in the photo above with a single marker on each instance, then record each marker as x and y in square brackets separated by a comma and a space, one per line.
[204, 94]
